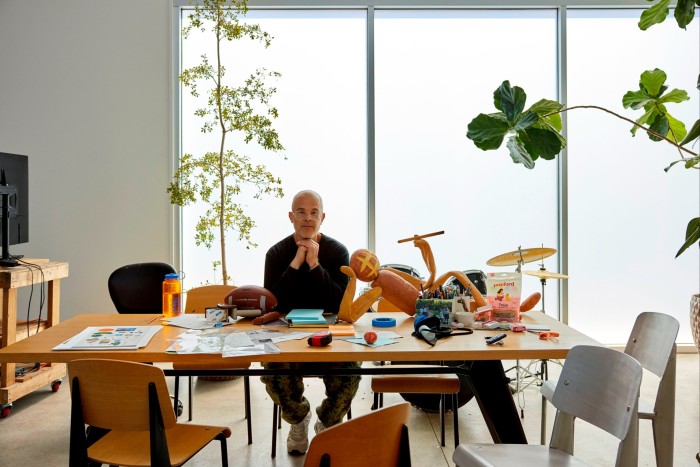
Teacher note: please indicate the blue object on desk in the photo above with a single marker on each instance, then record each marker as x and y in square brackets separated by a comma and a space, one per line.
[383, 322]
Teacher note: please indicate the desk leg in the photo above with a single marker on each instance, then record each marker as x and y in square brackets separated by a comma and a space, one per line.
[491, 390]
[53, 308]
[9, 333]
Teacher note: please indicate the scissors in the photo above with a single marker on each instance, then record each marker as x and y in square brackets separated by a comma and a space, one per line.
[546, 335]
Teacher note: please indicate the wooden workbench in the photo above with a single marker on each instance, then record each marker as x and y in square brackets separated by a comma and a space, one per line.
[11, 279]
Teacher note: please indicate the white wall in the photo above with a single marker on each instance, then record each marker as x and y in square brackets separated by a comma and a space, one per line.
[85, 93]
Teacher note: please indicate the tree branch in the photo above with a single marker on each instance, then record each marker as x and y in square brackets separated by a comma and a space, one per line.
[680, 148]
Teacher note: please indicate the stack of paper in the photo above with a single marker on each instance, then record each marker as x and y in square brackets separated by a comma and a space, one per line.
[110, 337]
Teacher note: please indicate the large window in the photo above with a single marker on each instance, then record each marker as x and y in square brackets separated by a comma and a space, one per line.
[433, 75]
[374, 107]
[627, 217]
[321, 98]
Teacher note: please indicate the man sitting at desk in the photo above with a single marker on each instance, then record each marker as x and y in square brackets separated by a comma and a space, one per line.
[303, 271]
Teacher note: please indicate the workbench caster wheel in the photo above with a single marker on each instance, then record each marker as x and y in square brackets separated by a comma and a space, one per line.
[5, 411]
[56, 385]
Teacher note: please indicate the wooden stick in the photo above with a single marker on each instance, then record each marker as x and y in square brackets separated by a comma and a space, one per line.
[416, 237]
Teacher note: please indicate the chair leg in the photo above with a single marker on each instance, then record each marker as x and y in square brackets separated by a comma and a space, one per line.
[442, 420]
[246, 385]
[455, 419]
[224, 449]
[274, 431]
[176, 395]
[543, 422]
[664, 418]
[189, 399]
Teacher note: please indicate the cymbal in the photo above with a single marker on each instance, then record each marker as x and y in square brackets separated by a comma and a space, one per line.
[544, 274]
[527, 255]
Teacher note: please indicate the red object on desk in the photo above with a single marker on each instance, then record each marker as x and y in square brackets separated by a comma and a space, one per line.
[320, 339]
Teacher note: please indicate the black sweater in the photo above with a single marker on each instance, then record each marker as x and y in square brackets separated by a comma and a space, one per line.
[323, 287]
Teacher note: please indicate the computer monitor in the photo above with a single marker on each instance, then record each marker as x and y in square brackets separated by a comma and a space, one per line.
[16, 169]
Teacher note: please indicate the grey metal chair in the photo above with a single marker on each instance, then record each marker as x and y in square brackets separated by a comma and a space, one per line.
[653, 343]
[598, 385]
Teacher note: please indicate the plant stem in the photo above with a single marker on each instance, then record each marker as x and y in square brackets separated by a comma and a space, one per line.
[222, 180]
[680, 148]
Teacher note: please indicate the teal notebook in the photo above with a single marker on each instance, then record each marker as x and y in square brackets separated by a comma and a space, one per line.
[306, 317]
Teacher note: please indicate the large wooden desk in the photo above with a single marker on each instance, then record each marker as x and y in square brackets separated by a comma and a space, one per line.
[484, 368]
[11, 278]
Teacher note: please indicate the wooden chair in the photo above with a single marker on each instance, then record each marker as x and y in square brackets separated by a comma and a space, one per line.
[653, 343]
[417, 384]
[198, 299]
[131, 401]
[443, 384]
[138, 289]
[598, 385]
[379, 439]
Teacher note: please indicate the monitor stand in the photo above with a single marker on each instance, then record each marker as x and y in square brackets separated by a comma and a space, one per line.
[6, 259]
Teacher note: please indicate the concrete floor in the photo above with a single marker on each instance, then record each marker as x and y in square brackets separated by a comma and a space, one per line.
[37, 431]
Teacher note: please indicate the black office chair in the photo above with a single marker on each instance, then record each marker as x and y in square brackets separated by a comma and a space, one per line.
[138, 288]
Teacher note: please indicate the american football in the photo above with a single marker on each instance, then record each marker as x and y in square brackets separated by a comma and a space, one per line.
[252, 297]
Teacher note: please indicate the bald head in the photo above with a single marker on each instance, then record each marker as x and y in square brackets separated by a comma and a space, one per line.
[304, 194]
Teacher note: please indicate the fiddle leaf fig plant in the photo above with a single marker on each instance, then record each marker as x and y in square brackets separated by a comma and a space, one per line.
[533, 133]
[536, 132]
[217, 177]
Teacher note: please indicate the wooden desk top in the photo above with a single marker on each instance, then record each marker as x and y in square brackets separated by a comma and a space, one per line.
[38, 347]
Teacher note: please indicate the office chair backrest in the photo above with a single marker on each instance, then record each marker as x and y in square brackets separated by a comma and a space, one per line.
[114, 394]
[137, 288]
[652, 340]
[206, 296]
[378, 439]
[601, 386]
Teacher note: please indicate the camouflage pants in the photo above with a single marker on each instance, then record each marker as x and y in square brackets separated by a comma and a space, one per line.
[288, 392]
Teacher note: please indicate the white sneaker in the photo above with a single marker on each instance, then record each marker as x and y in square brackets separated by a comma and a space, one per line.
[298, 438]
[319, 426]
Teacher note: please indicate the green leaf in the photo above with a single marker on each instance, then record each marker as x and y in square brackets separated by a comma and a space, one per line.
[653, 81]
[526, 120]
[635, 99]
[684, 12]
[545, 106]
[692, 162]
[676, 130]
[692, 235]
[654, 15]
[509, 100]
[541, 143]
[647, 118]
[660, 125]
[519, 154]
[675, 95]
[693, 134]
[488, 131]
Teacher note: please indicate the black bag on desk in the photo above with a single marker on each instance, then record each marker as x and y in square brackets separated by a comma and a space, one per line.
[430, 329]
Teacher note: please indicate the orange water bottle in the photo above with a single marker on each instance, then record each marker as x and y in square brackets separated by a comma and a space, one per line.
[172, 296]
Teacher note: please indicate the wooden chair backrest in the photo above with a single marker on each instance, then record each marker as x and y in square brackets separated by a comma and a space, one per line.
[601, 386]
[206, 296]
[374, 439]
[114, 393]
[652, 341]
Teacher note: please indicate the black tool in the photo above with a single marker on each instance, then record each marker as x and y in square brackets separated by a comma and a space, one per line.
[497, 339]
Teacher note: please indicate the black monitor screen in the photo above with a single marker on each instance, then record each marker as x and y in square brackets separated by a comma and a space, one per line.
[16, 169]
